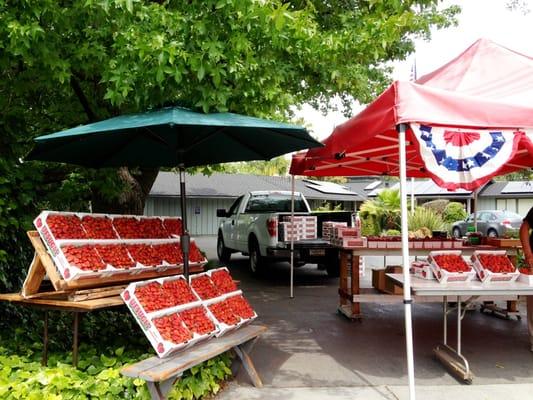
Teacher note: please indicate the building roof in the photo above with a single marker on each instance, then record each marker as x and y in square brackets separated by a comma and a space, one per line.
[504, 189]
[425, 188]
[221, 185]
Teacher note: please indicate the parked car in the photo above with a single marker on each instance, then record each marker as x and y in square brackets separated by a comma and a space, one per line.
[491, 223]
[252, 226]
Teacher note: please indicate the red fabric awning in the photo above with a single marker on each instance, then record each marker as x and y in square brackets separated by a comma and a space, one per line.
[465, 93]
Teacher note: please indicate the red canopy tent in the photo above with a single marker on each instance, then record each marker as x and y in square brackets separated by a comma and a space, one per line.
[487, 88]
[462, 124]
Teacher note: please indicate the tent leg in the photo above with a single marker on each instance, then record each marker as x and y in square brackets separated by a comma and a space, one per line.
[292, 238]
[405, 263]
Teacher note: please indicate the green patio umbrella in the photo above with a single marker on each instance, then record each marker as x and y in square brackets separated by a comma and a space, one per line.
[172, 137]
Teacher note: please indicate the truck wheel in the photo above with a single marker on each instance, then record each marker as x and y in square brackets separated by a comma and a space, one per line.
[223, 253]
[256, 261]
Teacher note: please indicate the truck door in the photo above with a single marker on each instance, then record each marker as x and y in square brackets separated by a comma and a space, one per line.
[229, 224]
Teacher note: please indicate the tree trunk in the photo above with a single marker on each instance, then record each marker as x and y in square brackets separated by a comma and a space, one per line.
[132, 199]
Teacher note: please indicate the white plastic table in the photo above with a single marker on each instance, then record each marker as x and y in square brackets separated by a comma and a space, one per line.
[447, 355]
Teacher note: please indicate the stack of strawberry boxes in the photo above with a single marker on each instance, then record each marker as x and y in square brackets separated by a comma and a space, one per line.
[328, 228]
[104, 245]
[347, 238]
[175, 315]
[298, 227]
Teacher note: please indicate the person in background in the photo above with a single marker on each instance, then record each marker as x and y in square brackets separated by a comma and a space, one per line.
[526, 238]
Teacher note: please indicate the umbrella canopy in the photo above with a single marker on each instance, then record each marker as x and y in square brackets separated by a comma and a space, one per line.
[171, 137]
[466, 99]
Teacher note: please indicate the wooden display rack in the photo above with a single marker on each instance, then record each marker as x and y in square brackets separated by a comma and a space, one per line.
[349, 268]
[45, 289]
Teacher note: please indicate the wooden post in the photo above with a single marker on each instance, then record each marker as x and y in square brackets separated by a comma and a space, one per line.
[356, 307]
[75, 339]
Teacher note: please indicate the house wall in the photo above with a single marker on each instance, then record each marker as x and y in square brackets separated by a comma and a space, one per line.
[520, 206]
[201, 212]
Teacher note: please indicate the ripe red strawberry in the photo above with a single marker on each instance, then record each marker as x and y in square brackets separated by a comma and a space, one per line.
[116, 255]
[171, 328]
[173, 226]
[178, 292]
[498, 263]
[204, 288]
[144, 254]
[195, 255]
[240, 306]
[170, 252]
[127, 227]
[152, 228]
[196, 320]
[223, 313]
[66, 226]
[452, 263]
[83, 257]
[98, 227]
[223, 281]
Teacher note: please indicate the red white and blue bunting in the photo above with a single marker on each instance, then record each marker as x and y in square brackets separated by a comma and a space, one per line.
[457, 157]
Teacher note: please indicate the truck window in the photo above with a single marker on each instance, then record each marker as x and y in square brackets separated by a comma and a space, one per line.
[235, 206]
[269, 203]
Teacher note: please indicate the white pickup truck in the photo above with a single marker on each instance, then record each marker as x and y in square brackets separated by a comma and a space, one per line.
[252, 226]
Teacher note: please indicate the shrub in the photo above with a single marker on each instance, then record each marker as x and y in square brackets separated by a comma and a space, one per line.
[454, 211]
[392, 232]
[424, 217]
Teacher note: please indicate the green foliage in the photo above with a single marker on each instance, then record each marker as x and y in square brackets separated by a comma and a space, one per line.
[392, 232]
[278, 166]
[384, 210]
[424, 217]
[329, 206]
[97, 377]
[369, 227]
[454, 211]
[116, 340]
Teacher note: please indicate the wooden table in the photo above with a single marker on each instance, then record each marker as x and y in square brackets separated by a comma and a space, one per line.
[350, 295]
[75, 307]
[161, 373]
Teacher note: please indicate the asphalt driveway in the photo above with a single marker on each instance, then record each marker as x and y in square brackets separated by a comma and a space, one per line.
[309, 349]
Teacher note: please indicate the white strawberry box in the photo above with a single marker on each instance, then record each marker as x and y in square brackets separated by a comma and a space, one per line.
[526, 278]
[422, 270]
[485, 274]
[445, 276]
[226, 317]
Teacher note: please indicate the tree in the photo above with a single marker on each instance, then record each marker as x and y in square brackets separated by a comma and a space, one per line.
[278, 166]
[69, 63]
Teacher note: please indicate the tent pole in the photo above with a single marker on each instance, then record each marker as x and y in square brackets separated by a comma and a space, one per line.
[405, 263]
[475, 210]
[412, 195]
[185, 239]
[292, 238]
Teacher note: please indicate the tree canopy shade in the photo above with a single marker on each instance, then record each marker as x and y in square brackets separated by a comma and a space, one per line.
[71, 63]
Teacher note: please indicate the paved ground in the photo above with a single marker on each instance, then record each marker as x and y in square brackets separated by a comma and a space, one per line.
[311, 352]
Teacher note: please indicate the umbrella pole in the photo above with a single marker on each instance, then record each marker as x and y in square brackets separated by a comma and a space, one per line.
[185, 239]
[292, 238]
[407, 301]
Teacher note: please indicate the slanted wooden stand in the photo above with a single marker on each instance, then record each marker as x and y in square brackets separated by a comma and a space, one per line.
[44, 288]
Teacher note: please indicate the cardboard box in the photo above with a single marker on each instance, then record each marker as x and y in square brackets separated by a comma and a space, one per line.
[381, 282]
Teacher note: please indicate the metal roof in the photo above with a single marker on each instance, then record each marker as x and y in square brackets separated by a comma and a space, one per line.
[504, 189]
[221, 185]
[425, 188]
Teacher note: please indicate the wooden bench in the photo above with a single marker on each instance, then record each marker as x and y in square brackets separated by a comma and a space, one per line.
[161, 373]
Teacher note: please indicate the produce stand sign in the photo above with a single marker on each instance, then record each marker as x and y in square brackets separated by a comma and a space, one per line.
[175, 314]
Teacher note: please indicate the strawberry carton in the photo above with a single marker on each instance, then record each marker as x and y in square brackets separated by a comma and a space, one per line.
[222, 280]
[203, 286]
[179, 330]
[161, 295]
[494, 266]
[450, 266]
[422, 269]
[231, 312]
[241, 307]
[173, 225]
